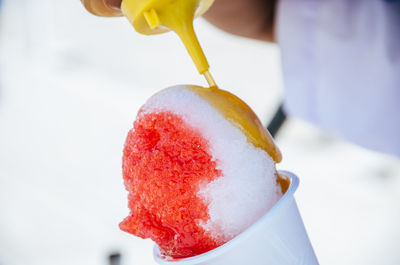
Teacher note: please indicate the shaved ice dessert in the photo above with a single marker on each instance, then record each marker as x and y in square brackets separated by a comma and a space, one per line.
[199, 169]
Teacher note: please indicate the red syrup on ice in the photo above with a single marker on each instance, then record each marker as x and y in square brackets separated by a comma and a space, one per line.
[165, 162]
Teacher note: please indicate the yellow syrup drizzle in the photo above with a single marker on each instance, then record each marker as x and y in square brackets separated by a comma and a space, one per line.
[241, 116]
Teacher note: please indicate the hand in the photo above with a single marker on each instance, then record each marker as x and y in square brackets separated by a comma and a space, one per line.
[247, 18]
[105, 8]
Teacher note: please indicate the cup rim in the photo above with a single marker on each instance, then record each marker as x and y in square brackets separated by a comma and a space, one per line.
[283, 201]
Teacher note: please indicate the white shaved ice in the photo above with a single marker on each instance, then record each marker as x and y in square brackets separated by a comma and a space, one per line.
[247, 188]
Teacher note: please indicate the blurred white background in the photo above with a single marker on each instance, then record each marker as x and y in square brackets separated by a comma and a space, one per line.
[70, 86]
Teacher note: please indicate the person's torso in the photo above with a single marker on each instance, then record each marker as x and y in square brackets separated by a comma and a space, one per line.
[341, 66]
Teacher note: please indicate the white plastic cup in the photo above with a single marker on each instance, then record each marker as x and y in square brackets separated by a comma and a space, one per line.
[277, 238]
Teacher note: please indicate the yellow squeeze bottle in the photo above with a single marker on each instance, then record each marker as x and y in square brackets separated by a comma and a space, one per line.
[158, 16]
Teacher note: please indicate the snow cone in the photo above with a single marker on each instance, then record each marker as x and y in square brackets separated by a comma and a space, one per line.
[200, 170]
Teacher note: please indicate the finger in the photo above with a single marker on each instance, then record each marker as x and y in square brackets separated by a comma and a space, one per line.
[105, 8]
[114, 4]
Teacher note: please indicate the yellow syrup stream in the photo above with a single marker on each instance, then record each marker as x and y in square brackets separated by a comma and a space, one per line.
[210, 79]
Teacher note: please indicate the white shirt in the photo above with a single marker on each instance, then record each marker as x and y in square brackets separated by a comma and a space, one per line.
[341, 66]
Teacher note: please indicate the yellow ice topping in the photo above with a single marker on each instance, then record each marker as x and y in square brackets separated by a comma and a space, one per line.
[241, 116]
